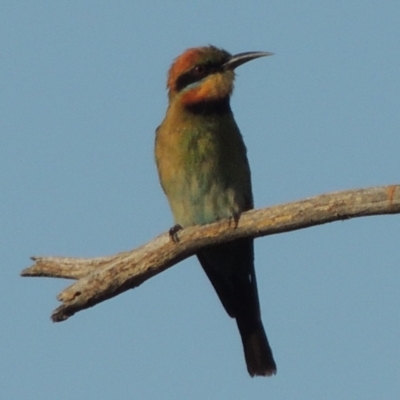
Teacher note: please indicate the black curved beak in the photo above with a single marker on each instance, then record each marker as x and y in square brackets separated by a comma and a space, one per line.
[241, 58]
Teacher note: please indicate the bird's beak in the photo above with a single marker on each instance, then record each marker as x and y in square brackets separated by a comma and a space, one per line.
[241, 58]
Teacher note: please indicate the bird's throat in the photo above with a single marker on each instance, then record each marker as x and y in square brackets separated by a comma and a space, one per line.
[209, 107]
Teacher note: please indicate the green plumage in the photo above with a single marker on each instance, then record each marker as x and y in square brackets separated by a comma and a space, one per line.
[204, 171]
[203, 167]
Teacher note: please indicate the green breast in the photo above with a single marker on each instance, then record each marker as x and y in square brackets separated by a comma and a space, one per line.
[208, 176]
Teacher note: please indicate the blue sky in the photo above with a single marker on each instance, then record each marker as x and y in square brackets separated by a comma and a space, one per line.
[82, 91]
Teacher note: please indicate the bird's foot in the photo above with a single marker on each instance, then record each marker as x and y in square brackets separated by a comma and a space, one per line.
[234, 220]
[173, 233]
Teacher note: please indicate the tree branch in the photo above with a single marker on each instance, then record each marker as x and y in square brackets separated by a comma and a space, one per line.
[101, 278]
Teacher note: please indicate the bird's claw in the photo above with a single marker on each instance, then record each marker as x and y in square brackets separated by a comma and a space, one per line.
[173, 233]
[234, 219]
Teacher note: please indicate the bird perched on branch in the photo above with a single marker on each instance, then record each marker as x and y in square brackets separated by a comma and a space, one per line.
[204, 171]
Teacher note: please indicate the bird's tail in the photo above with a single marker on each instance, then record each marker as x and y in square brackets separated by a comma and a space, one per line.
[257, 352]
[230, 268]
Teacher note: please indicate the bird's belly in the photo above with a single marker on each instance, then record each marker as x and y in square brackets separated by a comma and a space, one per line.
[198, 203]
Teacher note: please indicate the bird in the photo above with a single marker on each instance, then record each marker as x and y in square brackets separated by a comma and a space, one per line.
[203, 169]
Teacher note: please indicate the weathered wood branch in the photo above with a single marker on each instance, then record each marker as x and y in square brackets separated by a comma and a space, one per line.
[101, 278]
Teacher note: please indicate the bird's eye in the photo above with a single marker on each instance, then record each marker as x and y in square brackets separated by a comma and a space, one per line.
[199, 70]
[195, 74]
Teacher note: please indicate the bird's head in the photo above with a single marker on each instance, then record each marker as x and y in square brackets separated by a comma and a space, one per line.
[204, 74]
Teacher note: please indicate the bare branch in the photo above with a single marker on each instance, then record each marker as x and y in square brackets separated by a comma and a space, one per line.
[105, 277]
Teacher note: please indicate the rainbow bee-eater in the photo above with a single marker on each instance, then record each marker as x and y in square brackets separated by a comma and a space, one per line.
[204, 171]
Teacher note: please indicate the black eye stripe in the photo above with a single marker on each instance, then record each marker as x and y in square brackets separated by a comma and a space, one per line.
[196, 74]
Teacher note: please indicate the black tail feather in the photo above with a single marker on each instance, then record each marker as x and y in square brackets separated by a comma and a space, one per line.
[230, 268]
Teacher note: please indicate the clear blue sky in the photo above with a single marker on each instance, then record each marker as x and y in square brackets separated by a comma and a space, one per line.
[82, 89]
